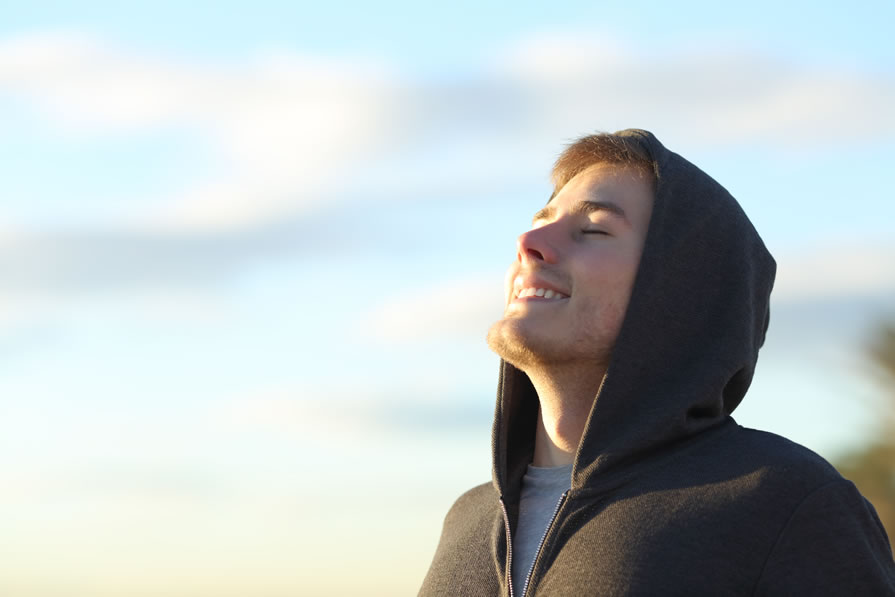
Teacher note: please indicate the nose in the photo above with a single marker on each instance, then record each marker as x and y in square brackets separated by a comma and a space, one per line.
[536, 246]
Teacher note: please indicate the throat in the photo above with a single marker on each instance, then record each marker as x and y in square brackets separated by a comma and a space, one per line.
[557, 438]
[563, 413]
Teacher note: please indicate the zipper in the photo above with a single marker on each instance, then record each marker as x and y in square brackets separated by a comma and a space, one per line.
[531, 568]
[506, 523]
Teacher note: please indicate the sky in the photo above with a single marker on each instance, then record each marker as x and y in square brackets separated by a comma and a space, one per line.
[249, 254]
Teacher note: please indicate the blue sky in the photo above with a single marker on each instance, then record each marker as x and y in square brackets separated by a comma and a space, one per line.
[249, 254]
[455, 35]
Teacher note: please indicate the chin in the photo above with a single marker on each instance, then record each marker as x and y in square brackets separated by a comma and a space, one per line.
[507, 339]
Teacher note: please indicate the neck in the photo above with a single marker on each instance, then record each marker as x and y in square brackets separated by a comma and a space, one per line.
[566, 396]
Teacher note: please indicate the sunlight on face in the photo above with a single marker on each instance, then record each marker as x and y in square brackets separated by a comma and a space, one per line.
[568, 289]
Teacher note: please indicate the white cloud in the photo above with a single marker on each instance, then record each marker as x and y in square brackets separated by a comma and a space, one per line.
[835, 272]
[350, 413]
[281, 125]
[88, 86]
[455, 309]
[274, 96]
[309, 413]
[291, 130]
[715, 97]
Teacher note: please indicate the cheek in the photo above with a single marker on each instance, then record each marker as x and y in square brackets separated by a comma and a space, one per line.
[612, 273]
[622, 270]
[609, 287]
[597, 324]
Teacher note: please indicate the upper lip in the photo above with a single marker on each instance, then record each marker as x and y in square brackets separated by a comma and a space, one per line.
[529, 281]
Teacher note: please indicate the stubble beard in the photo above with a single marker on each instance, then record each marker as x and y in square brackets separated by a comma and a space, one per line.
[533, 350]
[507, 346]
[517, 346]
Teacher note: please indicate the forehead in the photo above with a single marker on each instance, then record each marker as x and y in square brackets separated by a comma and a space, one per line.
[606, 180]
[623, 187]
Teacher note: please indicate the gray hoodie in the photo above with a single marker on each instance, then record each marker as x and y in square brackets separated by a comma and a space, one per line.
[669, 495]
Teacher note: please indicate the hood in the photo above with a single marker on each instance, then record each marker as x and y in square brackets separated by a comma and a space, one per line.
[687, 348]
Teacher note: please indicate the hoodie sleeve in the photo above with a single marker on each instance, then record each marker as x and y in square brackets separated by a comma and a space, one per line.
[833, 544]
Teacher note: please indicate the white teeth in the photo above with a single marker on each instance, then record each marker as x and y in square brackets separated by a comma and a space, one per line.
[542, 292]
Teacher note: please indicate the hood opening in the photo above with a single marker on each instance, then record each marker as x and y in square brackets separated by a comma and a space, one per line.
[687, 349]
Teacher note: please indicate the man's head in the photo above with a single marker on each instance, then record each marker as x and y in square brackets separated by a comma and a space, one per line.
[580, 258]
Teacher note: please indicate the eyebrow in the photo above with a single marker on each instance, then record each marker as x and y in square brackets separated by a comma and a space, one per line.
[583, 208]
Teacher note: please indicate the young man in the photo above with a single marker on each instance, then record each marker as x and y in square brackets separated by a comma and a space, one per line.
[635, 310]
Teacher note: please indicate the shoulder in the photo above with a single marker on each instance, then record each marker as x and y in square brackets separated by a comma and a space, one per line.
[830, 540]
[479, 502]
[777, 448]
[479, 492]
[760, 476]
[460, 565]
[779, 461]
[809, 531]
[764, 471]
[833, 543]
[470, 518]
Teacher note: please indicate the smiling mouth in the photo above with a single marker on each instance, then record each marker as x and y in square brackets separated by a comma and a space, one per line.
[539, 293]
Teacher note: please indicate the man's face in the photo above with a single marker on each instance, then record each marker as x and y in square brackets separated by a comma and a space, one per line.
[579, 259]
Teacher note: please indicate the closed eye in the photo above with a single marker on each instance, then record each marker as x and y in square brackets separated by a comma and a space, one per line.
[594, 232]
